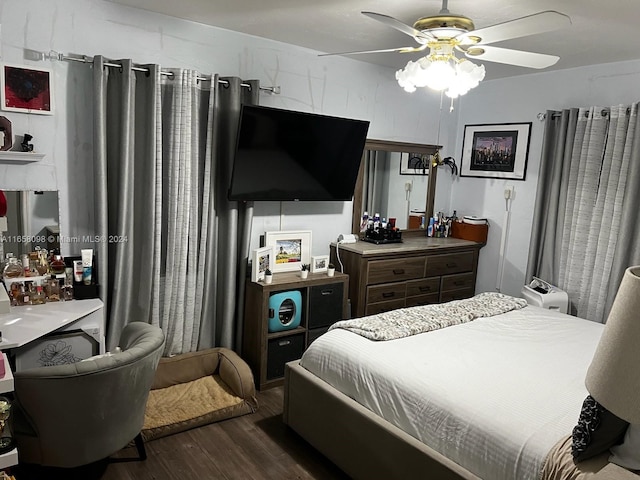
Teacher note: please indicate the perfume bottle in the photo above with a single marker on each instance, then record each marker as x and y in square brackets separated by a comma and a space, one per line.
[67, 288]
[38, 297]
[42, 264]
[12, 269]
[52, 289]
[16, 290]
[56, 264]
[24, 297]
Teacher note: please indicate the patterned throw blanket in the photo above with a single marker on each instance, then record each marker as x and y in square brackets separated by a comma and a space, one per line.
[425, 318]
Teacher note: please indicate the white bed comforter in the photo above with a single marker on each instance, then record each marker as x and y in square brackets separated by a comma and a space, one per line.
[494, 395]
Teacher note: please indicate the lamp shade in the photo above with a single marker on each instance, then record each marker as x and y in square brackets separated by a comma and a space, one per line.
[613, 378]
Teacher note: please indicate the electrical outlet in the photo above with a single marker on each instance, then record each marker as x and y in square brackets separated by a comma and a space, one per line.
[509, 192]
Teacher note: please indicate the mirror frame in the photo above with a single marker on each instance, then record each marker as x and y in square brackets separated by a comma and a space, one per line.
[389, 146]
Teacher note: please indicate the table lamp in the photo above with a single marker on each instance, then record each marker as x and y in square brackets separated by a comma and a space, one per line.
[613, 378]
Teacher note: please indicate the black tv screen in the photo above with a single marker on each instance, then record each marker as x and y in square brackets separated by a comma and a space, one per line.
[285, 155]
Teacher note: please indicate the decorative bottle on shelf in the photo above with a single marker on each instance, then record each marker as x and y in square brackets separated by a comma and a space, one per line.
[67, 288]
[12, 269]
[25, 293]
[52, 289]
[38, 298]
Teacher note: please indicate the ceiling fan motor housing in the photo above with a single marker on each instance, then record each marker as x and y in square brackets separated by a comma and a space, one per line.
[451, 24]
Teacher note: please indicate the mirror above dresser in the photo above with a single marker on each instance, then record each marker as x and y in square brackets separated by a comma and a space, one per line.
[397, 180]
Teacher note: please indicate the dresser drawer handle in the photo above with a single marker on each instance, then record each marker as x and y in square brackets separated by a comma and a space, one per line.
[388, 294]
[425, 289]
[452, 265]
[398, 271]
[459, 283]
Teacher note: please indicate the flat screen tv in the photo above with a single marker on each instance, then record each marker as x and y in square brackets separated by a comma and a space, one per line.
[284, 155]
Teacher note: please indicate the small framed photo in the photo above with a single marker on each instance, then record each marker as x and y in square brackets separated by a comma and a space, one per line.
[414, 163]
[319, 263]
[496, 151]
[261, 260]
[26, 89]
[291, 249]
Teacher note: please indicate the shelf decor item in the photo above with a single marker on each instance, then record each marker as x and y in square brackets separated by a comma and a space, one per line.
[268, 276]
[496, 151]
[319, 263]
[26, 89]
[331, 270]
[291, 249]
[6, 134]
[304, 270]
[261, 261]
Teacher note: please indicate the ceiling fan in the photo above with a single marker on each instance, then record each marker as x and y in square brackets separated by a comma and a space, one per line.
[446, 33]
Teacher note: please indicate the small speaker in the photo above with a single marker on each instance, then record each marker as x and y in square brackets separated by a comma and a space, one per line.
[285, 310]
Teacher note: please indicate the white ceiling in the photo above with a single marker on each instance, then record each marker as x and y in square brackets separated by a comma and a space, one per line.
[602, 30]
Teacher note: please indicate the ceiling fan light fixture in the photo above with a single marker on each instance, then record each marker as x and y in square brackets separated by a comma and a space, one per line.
[440, 73]
[468, 76]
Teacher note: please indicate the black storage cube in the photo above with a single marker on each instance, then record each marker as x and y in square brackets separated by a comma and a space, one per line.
[282, 350]
[325, 305]
[315, 333]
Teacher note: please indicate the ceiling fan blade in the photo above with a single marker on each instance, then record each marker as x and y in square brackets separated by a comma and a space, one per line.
[546, 21]
[398, 25]
[386, 50]
[511, 57]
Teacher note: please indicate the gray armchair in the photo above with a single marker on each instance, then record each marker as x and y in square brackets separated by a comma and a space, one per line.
[72, 415]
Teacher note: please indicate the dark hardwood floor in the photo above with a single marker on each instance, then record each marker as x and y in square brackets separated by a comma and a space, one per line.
[256, 446]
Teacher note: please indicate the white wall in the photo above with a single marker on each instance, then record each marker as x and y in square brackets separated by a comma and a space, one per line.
[517, 100]
[329, 85]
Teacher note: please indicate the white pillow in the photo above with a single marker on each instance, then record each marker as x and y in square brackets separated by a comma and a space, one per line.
[627, 454]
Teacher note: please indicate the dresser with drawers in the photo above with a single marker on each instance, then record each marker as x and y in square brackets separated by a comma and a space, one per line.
[417, 271]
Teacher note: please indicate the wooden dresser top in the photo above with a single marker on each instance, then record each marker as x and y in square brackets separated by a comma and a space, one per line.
[408, 245]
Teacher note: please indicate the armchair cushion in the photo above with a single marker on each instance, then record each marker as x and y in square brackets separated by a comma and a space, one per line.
[197, 388]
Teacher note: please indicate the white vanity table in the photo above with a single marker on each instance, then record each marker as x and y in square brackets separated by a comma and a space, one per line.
[24, 325]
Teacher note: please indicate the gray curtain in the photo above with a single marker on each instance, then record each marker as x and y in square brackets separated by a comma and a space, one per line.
[553, 179]
[163, 152]
[580, 240]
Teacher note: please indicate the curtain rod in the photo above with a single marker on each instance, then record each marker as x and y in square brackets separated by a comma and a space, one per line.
[604, 112]
[72, 57]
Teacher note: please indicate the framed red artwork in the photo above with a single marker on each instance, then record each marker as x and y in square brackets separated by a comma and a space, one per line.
[26, 89]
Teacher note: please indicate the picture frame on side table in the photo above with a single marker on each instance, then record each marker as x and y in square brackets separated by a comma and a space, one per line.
[291, 249]
[26, 89]
[319, 263]
[262, 260]
[496, 151]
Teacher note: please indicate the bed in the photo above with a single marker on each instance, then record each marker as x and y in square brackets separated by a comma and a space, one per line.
[493, 398]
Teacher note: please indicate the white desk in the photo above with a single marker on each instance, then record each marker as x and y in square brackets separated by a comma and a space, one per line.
[25, 324]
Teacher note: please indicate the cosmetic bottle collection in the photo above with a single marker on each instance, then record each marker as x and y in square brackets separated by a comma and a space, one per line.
[40, 276]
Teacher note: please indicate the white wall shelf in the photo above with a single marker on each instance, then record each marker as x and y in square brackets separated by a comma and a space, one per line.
[20, 157]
